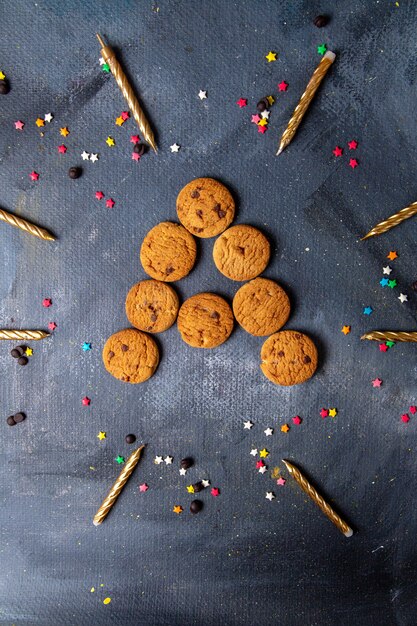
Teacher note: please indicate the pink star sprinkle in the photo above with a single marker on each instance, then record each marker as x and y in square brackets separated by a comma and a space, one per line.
[47, 302]
[124, 115]
[405, 418]
[34, 175]
[259, 464]
[352, 144]
[62, 149]
[134, 138]
[283, 86]
[281, 481]
[135, 156]
[377, 382]
[353, 163]
[51, 325]
[215, 492]
[262, 129]
[99, 195]
[337, 151]
[143, 487]
[413, 410]
[19, 125]
[255, 119]
[383, 347]
[242, 102]
[110, 203]
[86, 401]
[324, 413]
[297, 420]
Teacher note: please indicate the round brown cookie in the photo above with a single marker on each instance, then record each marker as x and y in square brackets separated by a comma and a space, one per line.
[205, 320]
[168, 252]
[205, 207]
[288, 358]
[241, 252]
[261, 307]
[152, 306]
[131, 356]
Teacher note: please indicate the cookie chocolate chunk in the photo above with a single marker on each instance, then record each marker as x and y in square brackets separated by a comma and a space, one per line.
[261, 307]
[130, 356]
[241, 252]
[152, 306]
[205, 207]
[205, 320]
[168, 252]
[288, 358]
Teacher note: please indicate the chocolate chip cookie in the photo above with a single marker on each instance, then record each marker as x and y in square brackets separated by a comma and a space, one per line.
[168, 252]
[288, 358]
[205, 320]
[131, 356]
[241, 252]
[205, 207]
[261, 307]
[152, 306]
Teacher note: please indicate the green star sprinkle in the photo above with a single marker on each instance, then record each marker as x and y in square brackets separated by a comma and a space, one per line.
[392, 283]
[120, 459]
[389, 344]
[106, 67]
[322, 49]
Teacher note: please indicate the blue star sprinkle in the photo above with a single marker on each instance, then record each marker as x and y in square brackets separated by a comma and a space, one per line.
[367, 310]
[384, 282]
[86, 346]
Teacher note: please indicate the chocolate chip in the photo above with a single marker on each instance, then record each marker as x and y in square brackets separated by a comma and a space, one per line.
[130, 438]
[196, 506]
[241, 250]
[110, 354]
[139, 148]
[199, 212]
[307, 359]
[198, 487]
[219, 211]
[16, 353]
[74, 172]
[154, 317]
[23, 360]
[198, 230]
[10, 421]
[19, 417]
[124, 347]
[414, 286]
[187, 463]
[262, 105]
[321, 20]
[297, 336]
[215, 315]
[169, 270]
[4, 87]
[281, 353]
[195, 194]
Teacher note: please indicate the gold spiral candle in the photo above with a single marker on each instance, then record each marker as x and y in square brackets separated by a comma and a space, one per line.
[392, 221]
[116, 69]
[317, 498]
[391, 335]
[23, 335]
[305, 100]
[117, 488]
[18, 222]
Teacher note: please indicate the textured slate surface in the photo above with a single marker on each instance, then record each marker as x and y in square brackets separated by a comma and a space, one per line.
[243, 560]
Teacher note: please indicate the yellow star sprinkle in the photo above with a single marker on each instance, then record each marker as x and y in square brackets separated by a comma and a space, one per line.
[64, 131]
[28, 351]
[2, 75]
[92, 589]
[110, 141]
[119, 121]
[40, 122]
[271, 56]
[177, 509]
[263, 453]
[346, 330]
[190, 489]
[101, 435]
[285, 428]
[271, 100]
[332, 412]
[106, 600]
[263, 122]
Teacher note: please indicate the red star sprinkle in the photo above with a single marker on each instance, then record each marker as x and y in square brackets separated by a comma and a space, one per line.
[283, 86]
[62, 149]
[383, 347]
[51, 325]
[134, 138]
[324, 413]
[242, 102]
[215, 492]
[86, 401]
[110, 203]
[135, 156]
[413, 410]
[255, 119]
[353, 163]
[19, 125]
[262, 129]
[259, 464]
[377, 382]
[99, 195]
[281, 481]
[297, 420]
[34, 175]
[352, 144]
[143, 487]
[337, 151]
[125, 115]
[46, 302]
[405, 418]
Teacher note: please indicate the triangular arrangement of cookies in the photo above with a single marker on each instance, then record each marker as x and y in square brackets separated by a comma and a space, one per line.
[261, 307]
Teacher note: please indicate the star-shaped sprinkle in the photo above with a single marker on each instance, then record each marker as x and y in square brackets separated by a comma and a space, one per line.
[215, 492]
[85, 155]
[260, 463]
[106, 600]
[143, 487]
[262, 129]
[297, 420]
[99, 195]
[110, 142]
[337, 151]
[158, 460]
[392, 255]
[29, 352]
[324, 413]
[265, 114]
[387, 270]
[405, 418]
[106, 68]
[119, 121]
[285, 428]
[392, 283]
[51, 325]
[86, 346]
[242, 102]
[255, 119]
[383, 282]
[271, 56]
[202, 94]
[254, 452]
[353, 163]
[93, 157]
[281, 481]
[269, 496]
[352, 144]
[413, 409]
[322, 49]
[283, 86]
[134, 138]
[86, 401]
[168, 460]
[183, 471]
[110, 203]
[175, 147]
[40, 122]
[64, 131]
[263, 469]
[34, 175]
[383, 347]
[268, 432]
[102, 435]
[47, 302]
[48, 117]
[368, 310]
[345, 330]
[263, 122]
[205, 482]
[332, 412]
[390, 344]
[19, 125]
[120, 459]
[247, 425]
[403, 298]
[177, 509]
[271, 100]
[2, 75]
[377, 382]
[62, 149]
[190, 488]
[125, 115]
[135, 156]
[263, 453]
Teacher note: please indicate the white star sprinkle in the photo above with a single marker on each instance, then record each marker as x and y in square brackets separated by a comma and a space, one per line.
[175, 147]
[205, 482]
[269, 496]
[157, 460]
[202, 94]
[183, 471]
[168, 460]
[254, 451]
[48, 117]
[102, 61]
[268, 432]
[402, 297]
[85, 156]
[387, 270]
[247, 425]
[93, 157]
[265, 115]
[263, 469]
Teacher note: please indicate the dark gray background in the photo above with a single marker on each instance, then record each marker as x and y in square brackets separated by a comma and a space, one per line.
[243, 560]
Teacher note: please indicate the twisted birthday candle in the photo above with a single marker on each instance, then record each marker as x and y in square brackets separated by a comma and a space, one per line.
[18, 222]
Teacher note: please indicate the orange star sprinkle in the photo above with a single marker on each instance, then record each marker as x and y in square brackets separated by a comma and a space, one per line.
[40, 122]
[64, 131]
[346, 330]
[119, 121]
[285, 428]
[392, 255]
[177, 509]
